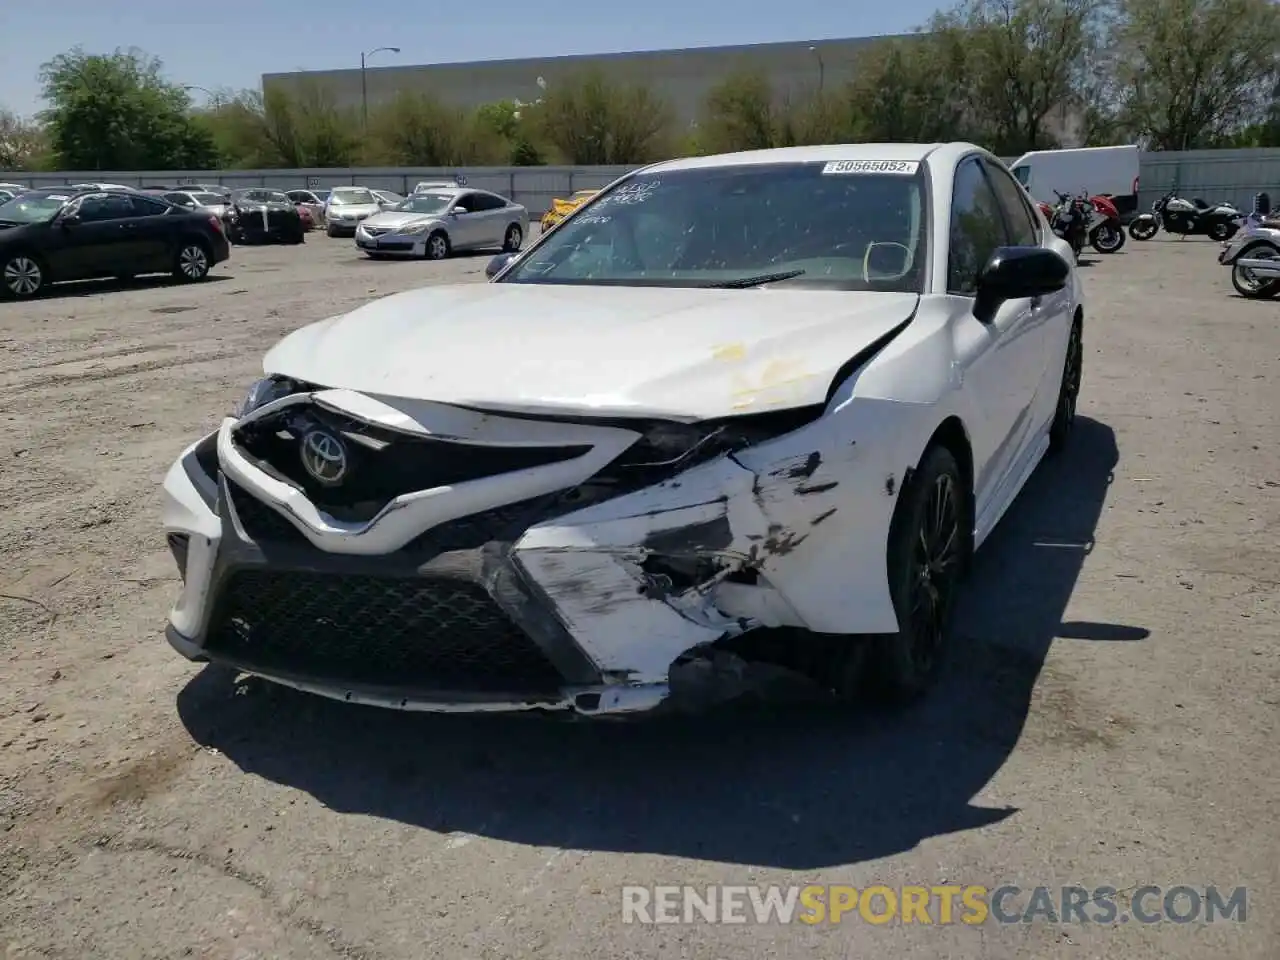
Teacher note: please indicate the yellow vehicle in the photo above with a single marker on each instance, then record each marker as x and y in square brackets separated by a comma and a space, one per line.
[562, 208]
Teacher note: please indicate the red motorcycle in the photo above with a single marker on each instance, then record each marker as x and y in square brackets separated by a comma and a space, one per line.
[1106, 234]
[1097, 215]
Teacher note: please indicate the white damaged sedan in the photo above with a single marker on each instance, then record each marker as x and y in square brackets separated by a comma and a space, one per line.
[750, 408]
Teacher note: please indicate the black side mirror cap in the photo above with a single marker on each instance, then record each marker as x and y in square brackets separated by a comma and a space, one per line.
[1014, 273]
[69, 220]
[498, 264]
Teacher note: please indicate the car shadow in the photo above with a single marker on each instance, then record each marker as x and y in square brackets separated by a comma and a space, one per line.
[793, 786]
[92, 288]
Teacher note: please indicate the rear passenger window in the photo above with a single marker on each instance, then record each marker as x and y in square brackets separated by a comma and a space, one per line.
[1022, 225]
[977, 229]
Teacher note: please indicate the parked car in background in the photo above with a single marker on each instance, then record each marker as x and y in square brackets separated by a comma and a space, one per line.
[199, 200]
[51, 235]
[306, 216]
[262, 215]
[347, 206]
[14, 188]
[562, 208]
[436, 224]
[6, 196]
[426, 186]
[311, 200]
[100, 186]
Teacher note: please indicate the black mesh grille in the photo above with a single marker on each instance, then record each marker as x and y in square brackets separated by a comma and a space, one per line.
[260, 522]
[412, 632]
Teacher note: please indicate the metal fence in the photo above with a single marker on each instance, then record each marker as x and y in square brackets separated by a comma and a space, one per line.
[1233, 175]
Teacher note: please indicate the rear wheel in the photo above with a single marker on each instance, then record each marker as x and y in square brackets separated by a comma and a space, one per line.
[514, 238]
[23, 276]
[1247, 283]
[929, 544]
[1221, 230]
[192, 261]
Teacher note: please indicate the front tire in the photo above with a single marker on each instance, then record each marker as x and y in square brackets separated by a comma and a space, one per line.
[23, 276]
[1255, 288]
[1064, 417]
[1143, 229]
[192, 263]
[437, 247]
[1108, 238]
[929, 545]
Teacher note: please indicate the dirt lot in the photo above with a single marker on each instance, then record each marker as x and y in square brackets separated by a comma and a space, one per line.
[1112, 721]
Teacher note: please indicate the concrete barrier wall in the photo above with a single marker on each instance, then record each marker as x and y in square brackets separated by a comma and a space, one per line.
[1234, 175]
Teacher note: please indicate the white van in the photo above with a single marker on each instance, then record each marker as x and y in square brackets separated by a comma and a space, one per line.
[1098, 170]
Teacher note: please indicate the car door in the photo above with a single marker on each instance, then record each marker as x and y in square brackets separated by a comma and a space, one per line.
[1052, 314]
[1000, 359]
[491, 215]
[155, 225]
[94, 242]
[465, 223]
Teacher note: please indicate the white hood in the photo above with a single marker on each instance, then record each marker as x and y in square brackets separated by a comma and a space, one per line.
[601, 351]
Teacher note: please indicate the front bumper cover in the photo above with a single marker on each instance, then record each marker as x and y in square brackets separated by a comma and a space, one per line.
[574, 584]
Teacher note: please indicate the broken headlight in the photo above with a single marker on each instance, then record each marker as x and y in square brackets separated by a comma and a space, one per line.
[265, 391]
[671, 447]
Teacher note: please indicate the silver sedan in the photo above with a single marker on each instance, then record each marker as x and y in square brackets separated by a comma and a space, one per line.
[434, 224]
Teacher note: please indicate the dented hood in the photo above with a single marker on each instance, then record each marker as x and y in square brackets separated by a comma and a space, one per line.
[686, 354]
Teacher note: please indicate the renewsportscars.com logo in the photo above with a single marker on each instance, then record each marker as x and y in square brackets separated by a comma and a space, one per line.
[939, 904]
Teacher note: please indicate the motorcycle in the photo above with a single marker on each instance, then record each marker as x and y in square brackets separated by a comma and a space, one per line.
[1068, 220]
[1253, 255]
[1187, 218]
[1106, 234]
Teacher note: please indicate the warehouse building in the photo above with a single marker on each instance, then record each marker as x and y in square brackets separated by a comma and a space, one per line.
[682, 77]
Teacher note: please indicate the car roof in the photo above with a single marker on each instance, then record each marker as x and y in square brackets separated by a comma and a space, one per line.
[909, 152]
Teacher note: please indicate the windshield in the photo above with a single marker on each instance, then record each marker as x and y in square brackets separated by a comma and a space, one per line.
[425, 203]
[339, 197]
[33, 207]
[820, 224]
[261, 196]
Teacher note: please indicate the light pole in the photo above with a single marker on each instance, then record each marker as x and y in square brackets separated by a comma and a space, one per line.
[364, 88]
[822, 68]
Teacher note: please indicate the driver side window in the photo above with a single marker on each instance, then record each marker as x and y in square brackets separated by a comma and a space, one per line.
[977, 228]
[94, 209]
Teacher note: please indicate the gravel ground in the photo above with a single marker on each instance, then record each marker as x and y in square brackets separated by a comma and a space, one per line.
[1112, 720]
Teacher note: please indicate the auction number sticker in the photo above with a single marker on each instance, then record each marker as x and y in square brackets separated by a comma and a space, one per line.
[904, 168]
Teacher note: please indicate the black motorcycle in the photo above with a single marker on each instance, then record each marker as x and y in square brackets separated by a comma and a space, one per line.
[1070, 221]
[1187, 218]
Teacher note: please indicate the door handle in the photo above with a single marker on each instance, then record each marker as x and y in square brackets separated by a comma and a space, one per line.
[1035, 303]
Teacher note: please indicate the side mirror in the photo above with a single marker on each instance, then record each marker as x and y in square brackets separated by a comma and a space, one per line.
[498, 264]
[457, 212]
[1013, 273]
[70, 220]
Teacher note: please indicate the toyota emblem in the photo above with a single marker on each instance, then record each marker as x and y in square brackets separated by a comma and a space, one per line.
[325, 457]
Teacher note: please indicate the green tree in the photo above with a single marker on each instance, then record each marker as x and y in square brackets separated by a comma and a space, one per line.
[1025, 61]
[116, 112]
[515, 124]
[416, 129]
[23, 145]
[590, 119]
[742, 113]
[1192, 73]
[914, 89]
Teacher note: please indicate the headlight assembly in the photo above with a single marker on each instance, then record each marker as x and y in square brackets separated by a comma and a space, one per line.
[681, 445]
[265, 391]
[414, 230]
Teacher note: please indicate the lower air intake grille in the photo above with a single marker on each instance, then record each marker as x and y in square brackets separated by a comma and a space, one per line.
[428, 633]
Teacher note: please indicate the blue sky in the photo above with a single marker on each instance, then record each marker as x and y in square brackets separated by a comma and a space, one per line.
[231, 43]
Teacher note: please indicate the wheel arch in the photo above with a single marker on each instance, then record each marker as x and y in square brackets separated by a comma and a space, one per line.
[953, 436]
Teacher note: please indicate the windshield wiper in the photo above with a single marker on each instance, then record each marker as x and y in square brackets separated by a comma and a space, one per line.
[743, 282]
